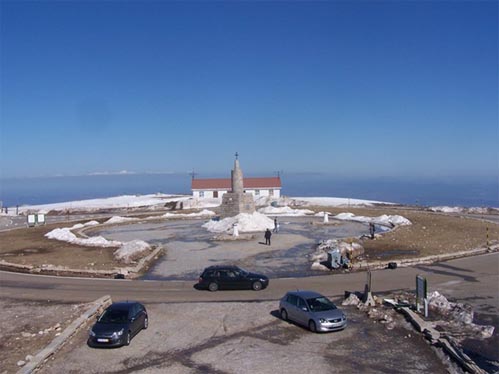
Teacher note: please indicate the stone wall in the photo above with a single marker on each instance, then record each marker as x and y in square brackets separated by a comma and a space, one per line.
[235, 203]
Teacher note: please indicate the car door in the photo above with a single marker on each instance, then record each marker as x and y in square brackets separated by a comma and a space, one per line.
[139, 317]
[136, 321]
[291, 307]
[239, 281]
[224, 282]
[301, 311]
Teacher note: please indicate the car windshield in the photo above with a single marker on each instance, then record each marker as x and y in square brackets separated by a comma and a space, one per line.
[114, 316]
[319, 304]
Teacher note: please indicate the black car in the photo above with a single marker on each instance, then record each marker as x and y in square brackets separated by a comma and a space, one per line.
[231, 278]
[119, 323]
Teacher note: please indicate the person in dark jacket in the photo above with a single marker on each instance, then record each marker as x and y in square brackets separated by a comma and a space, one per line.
[267, 235]
[372, 229]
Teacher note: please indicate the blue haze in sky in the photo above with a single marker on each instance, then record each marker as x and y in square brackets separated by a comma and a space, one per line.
[354, 89]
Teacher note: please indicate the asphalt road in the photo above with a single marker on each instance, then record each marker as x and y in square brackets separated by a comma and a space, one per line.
[250, 337]
[473, 276]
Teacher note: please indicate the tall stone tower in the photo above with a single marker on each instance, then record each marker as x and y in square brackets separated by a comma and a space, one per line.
[237, 201]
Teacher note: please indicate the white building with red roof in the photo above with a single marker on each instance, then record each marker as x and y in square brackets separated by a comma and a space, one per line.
[216, 187]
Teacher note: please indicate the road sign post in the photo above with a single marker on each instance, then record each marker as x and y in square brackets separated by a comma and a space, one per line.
[421, 294]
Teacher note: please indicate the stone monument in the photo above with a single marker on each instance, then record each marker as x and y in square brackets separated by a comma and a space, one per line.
[237, 201]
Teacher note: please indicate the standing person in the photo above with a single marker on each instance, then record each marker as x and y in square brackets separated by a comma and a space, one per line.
[267, 235]
[372, 229]
[276, 225]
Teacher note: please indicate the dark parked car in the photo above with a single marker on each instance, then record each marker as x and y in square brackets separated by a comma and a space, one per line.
[231, 278]
[311, 309]
[119, 323]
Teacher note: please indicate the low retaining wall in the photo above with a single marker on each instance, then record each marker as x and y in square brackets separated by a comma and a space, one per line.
[373, 265]
[62, 270]
[60, 340]
[439, 340]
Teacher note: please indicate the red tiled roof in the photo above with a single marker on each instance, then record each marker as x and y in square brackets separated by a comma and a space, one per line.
[225, 183]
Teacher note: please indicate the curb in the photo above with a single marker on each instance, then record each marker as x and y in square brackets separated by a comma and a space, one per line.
[364, 265]
[58, 270]
[440, 340]
[60, 340]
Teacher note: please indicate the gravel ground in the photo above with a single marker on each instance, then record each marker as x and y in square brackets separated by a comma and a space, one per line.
[250, 338]
[27, 327]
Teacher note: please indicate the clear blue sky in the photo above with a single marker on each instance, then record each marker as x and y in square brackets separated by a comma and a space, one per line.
[391, 88]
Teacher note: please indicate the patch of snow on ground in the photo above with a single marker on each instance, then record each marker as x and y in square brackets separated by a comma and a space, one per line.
[284, 211]
[385, 220]
[457, 314]
[195, 203]
[203, 213]
[245, 223]
[335, 201]
[118, 219]
[446, 209]
[66, 235]
[124, 201]
[321, 214]
[130, 251]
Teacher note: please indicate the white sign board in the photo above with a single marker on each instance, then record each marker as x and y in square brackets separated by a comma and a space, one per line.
[31, 220]
[40, 218]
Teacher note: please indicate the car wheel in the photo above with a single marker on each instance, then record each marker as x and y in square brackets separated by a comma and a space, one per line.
[213, 287]
[257, 286]
[311, 326]
[284, 314]
[146, 323]
[127, 338]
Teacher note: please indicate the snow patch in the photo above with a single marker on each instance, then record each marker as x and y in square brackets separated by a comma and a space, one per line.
[322, 214]
[446, 209]
[203, 213]
[245, 222]
[335, 201]
[118, 219]
[132, 250]
[117, 202]
[284, 211]
[385, 220]
[66, 235]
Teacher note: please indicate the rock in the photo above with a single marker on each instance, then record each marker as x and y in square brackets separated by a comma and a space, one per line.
[351, 300]
[40, 332]
[57, 334]
[28, 357]
[26, 334]
[486, 331]
[390, 326]
[318, 266]
[21, 363]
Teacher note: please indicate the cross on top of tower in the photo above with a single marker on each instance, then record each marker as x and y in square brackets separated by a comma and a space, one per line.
[237, 155]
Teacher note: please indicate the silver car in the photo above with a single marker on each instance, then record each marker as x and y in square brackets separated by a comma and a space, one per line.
[311, 309]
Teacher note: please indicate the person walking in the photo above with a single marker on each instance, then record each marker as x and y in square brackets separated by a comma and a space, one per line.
[276, 225]
[372, 229]
[267, 235]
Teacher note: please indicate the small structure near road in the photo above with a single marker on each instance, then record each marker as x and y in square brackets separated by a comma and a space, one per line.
[33, 220]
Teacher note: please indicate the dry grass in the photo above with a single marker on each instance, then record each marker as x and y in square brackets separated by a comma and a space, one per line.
[430, 233]
[28, 246]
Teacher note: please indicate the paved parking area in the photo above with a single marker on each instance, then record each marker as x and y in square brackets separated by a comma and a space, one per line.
[249, 338]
